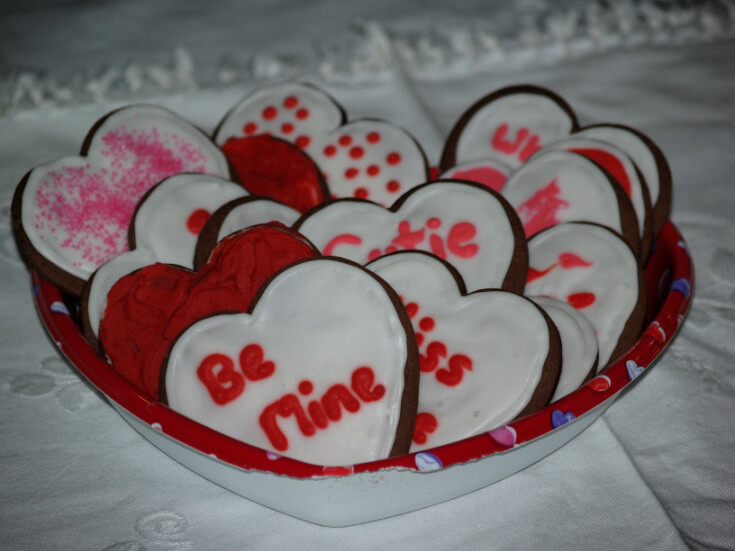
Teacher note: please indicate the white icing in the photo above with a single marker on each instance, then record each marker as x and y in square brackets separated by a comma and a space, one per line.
[635, 147]
[489, 172]
[524, 121]
[503, 334]
[612, 276]
[367, 158]
[310, 321]
[107, 275]
[76, 210]
[370, 228]
[637, 185]
[161, 221]
[558, 186]
[578, 344]
[256, 211]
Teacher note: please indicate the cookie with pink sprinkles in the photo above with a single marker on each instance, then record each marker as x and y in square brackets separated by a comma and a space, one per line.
[72, 215]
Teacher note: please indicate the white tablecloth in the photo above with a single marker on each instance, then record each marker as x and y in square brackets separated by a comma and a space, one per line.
[656, 471]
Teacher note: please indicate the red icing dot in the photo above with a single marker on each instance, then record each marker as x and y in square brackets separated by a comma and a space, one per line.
[419, 339]
[373, 137]
[287, 128]
[361, 193]
[393, 158]
[330, 150]
[427, 324]
[270, 113]
[345, 140]
[290, 102]
[412, 309]
[196, 220]
[433, 223]
[393, 186]
[351, 173]
[581, 300]
[250, 128]
[303, 141]
[357, 152]
[302, 114]
[373, 170]
[306, 387]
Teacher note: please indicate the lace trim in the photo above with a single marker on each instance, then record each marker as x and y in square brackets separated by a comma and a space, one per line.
[433, 54]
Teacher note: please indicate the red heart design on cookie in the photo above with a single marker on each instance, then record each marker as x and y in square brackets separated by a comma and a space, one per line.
[473, 376]
[366, 158]
[72, 215]
[146, 310]
[467, 224]
[310, 398]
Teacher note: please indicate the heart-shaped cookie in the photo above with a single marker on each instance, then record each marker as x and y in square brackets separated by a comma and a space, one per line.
[271, 167]
[146, 310]
[365, 158]
[323, 369]
[593, 269]
[165, 228]
[508, 125]
[485, 357]
[467, 224]
[72, 215]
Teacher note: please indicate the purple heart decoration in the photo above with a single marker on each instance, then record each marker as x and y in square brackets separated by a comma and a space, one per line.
[559, 418]
[59, 308]
[427, 462]
[633, 369]
[683, 286]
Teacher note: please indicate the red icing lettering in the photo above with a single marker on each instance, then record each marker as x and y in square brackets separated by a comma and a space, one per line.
[226, 384]
[196, 221]
[531, 147]
[342, 239]
[362, 385]
[500, 143]
[434, 352]
[581, 300]
[425, 424]
[319, 413]
[486, 175]
[540, 210]
[437, 246]
[284, 407]
[453, 376]
[457, 242]
[406, 238]
[536, 274]
[252, 364]
[571, 260]
[337, 394]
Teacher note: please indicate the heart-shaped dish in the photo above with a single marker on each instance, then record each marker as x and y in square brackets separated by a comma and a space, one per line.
[350, 494]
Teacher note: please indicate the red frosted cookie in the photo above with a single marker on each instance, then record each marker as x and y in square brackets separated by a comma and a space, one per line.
[647, 157]
[593, 269]
[508, 125]
[72, 215]
[467, 224]
[146, 310]
[366, 158]
[272, 167]
[323, 368]
[485, 357]
[236, 215]
[618, 164]
[559, 186]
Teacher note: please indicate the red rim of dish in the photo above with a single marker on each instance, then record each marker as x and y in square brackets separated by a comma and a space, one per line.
[670, 282]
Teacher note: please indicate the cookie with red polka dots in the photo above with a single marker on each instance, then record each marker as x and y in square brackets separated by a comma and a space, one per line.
[366, 158]
[485, 357]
